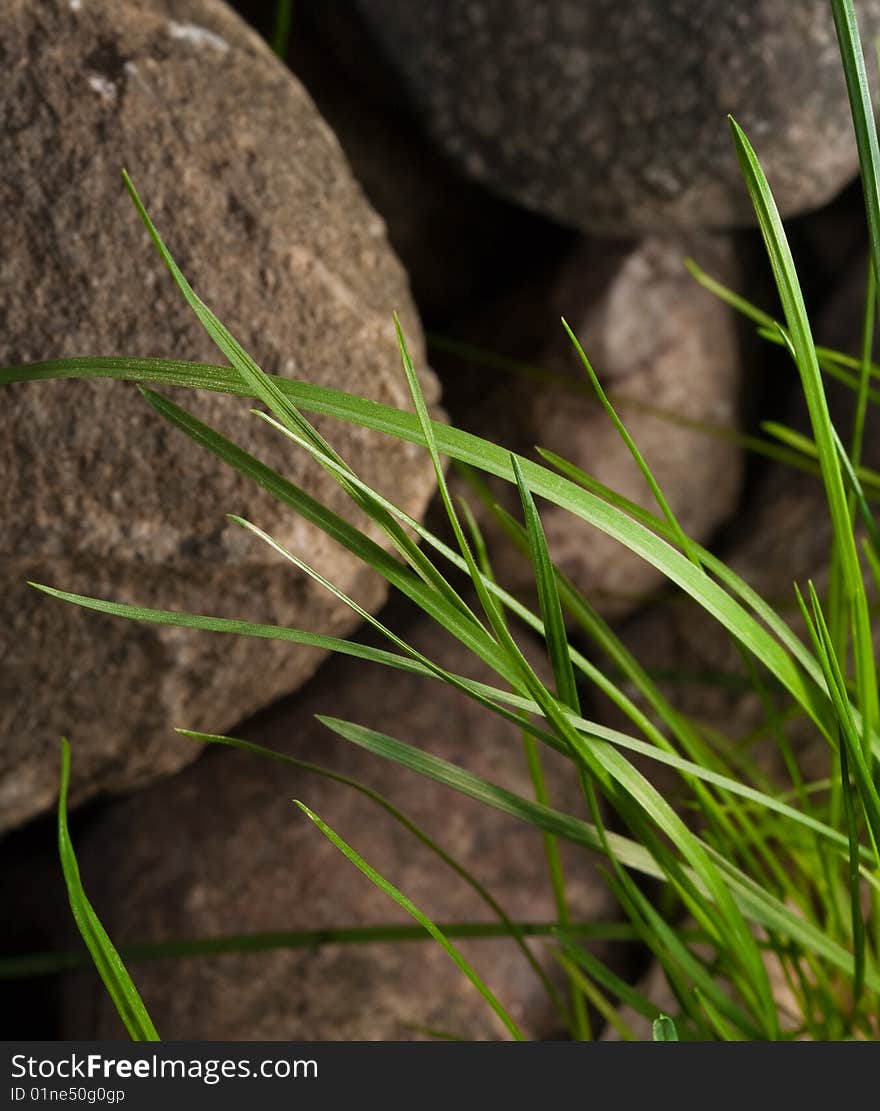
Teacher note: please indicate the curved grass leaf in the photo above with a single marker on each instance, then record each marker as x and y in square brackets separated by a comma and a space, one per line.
[849, 40]
[800, 335]
[112, 971]
[664, 1029]
[31, 965]
[423, 920]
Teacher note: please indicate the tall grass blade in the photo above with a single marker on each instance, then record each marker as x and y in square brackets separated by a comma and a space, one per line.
[112, 971]
[664, 1029]
[420, 917]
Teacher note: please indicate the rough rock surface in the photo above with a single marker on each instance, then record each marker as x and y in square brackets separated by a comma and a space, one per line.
[663, 348]
[458, 241]
[253, 863]
[612, 117]
[253, 195]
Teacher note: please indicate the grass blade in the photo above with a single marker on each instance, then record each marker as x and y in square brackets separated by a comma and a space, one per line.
[420, 917]
[112, 971]
[548, 595]
[794, 309]
[853, 59]
[31, 965]
[664, 1030]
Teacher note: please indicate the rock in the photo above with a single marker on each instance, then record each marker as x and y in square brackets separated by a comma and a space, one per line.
[459, 242]
[251, 862]
[611, 117]
[253, 195]
[667, 352]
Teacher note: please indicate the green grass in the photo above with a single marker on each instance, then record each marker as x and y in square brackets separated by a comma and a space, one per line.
[766, 884]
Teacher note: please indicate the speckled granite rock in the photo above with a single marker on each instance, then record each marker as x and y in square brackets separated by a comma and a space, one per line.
[253, 863]
[252, 193]
[611, 117]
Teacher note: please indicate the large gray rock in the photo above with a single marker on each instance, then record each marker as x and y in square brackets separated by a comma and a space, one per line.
[252, 862]
[612, 117]
[667, 352]
[253, 195]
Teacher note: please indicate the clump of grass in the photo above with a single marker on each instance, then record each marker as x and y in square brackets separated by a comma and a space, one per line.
[766, 876]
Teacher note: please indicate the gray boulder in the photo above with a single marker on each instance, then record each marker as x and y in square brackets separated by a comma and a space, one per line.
[253, 195]
[612, 117]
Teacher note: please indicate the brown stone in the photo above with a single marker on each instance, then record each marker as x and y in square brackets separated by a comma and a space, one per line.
[253, 196]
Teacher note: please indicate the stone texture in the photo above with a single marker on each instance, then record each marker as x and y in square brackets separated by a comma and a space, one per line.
[459, 242]
[663, 348]
[612, 117]
[253, 863]
[253, 195]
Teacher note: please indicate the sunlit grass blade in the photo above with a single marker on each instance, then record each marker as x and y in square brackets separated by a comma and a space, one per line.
[623, 402]
[849, 40]
[233, 627]
[479, 453]
[855, 884]
[848, 731]
[863, 475]
[382, 512]
[830, 361]
[663, 1029]
[719, 1024]
[423, 920]
[426, 426]
[800, 335]
[264, 386]
[592, 994]
[551, 608]
[112, 971]
[711, 563]
[702, 759]
[471, 689]
[621, 989]
[566, 690]
[542, 817]
[680, 964]
[678, 533]
[413, 666]
[724, 293]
